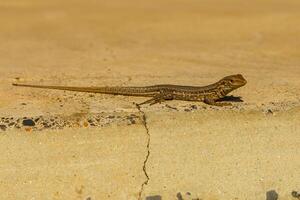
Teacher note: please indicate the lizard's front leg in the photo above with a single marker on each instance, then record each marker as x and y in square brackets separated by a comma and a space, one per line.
[214, 103]
[158, 99]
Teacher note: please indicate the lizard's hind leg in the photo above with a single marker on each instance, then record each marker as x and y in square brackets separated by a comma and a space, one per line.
[157, 99]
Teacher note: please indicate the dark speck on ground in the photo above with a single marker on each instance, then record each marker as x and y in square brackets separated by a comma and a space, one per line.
[194, 107]
[179, 196]
[271, 195]
[37, 119]
[296, 194]
[156, 197]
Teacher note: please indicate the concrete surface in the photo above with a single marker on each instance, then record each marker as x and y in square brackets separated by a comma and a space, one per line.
[66, 145]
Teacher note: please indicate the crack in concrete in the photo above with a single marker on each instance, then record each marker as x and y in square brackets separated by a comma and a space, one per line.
[144, 121]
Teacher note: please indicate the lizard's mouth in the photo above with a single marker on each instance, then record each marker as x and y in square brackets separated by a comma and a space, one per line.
[241, 81]
[240, 84]
[244, 82]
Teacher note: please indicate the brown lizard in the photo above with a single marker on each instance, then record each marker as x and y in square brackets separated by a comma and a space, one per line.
[209, 94]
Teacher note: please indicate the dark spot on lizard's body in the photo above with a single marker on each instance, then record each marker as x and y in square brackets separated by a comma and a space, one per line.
[269, 111]
[2, 127]
[36, 119]
[11, 124]
[46, 125]
[28, 122]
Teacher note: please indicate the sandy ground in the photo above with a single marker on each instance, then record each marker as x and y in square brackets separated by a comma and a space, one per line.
[66, 145]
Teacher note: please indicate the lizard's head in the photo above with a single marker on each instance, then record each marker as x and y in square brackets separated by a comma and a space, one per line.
[232, 82]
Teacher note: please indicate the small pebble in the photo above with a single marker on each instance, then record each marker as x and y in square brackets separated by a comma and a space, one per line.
[271, 195]
[295, 194]
[194, 107]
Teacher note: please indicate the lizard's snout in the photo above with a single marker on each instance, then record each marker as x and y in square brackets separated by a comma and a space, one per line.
[241, 80]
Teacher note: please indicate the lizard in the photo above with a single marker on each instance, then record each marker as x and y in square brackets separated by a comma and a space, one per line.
[209, 94]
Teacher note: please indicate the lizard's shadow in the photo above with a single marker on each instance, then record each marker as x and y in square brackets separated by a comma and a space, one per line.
[231, 98]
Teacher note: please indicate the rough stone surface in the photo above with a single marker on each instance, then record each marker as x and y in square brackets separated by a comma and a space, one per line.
[93, 146]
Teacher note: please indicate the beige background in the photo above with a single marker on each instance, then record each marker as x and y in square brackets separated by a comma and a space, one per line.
[240, 152]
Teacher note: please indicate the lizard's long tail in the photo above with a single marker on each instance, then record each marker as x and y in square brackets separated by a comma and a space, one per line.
[128, 91]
